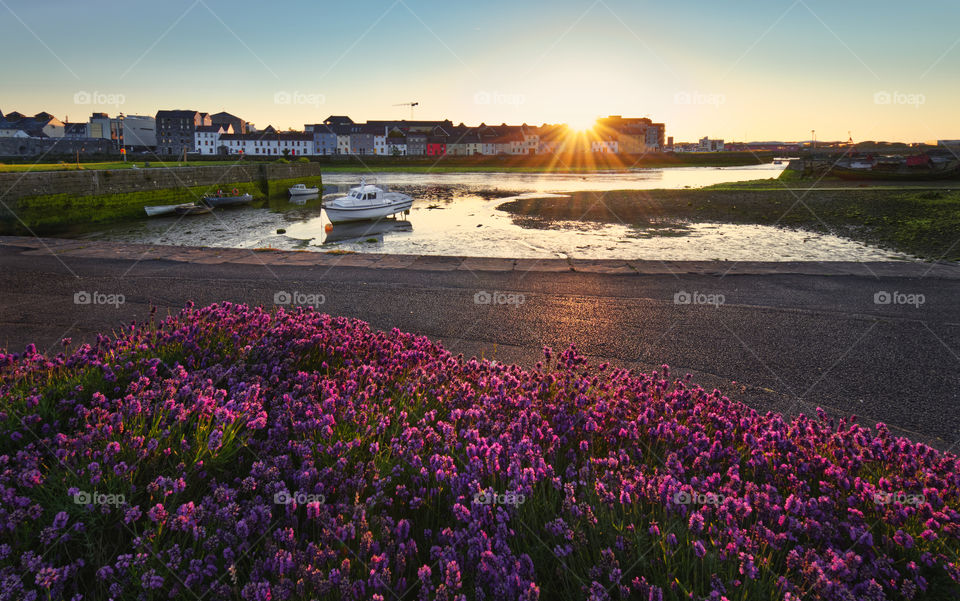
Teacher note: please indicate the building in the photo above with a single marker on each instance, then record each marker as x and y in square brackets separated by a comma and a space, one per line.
[12, 132]
[416, 143]
[436, 145]
[705, 144]
[324, 138]
[634, 135]
[207, 139]
[396, 143]
[602, 145]
[176, 129]
[139, 132]
[76, 131]
[268, 142]
[237, 125]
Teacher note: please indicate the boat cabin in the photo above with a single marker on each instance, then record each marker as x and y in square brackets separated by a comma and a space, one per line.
[364, 193]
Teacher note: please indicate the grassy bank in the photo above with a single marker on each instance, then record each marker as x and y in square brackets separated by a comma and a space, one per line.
[795, 180]
[921, 223]
[50, 213]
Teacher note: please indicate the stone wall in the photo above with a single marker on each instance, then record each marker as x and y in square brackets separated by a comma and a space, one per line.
[14, 186]
[52, 201]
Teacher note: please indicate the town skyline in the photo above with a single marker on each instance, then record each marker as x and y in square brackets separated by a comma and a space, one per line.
[757, 71]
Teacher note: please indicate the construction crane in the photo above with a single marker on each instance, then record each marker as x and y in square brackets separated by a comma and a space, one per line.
[411, 105]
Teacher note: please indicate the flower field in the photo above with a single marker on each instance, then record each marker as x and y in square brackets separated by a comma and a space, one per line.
[230, 452]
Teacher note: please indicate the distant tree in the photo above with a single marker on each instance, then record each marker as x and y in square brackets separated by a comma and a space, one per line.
[286, 152]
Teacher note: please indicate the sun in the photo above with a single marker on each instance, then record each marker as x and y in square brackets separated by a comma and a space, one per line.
[581, 124]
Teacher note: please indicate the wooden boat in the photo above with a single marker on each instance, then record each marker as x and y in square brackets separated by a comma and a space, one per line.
[223, 201]
[192, 209]
[900, 172]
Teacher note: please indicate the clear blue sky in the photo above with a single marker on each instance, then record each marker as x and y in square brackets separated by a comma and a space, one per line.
[773, 69]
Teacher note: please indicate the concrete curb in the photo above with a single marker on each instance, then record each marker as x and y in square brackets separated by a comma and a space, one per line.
[209, 256]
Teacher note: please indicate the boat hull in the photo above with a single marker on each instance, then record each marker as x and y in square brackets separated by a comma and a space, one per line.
[160, 210]
[224, 201]
[347, 214]
[303, 191]
[192, 210]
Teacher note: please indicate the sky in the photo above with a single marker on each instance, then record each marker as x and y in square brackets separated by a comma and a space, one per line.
[737, 70]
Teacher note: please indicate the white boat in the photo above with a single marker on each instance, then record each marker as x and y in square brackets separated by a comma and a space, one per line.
[366, 202]
[302, 189]
[163, 209]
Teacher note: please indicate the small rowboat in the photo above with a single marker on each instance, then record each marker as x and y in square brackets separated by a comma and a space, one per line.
[223, 201]
[162, 210]
[192, 209]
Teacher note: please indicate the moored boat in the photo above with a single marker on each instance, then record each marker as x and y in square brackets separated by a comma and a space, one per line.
[366, 202]
[299, 189]
[223, 201]
[162, 209]
[192, 209]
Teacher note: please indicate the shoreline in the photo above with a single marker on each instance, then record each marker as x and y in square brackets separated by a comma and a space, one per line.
[209, 255]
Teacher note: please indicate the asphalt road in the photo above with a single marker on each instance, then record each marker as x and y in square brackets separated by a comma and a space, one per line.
[790, 341]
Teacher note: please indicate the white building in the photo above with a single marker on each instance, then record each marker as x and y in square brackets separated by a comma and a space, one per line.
[605, 146]
[707, 145]
[343, 143]
[207, 138]
[380, 145]
[269, 143]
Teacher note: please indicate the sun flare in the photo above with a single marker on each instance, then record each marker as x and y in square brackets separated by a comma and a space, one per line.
[581, 124]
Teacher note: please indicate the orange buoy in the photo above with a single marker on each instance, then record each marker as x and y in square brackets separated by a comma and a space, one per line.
[328, 228]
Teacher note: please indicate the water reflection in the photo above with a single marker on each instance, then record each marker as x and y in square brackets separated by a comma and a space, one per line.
[365, 232]
[302, 199]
